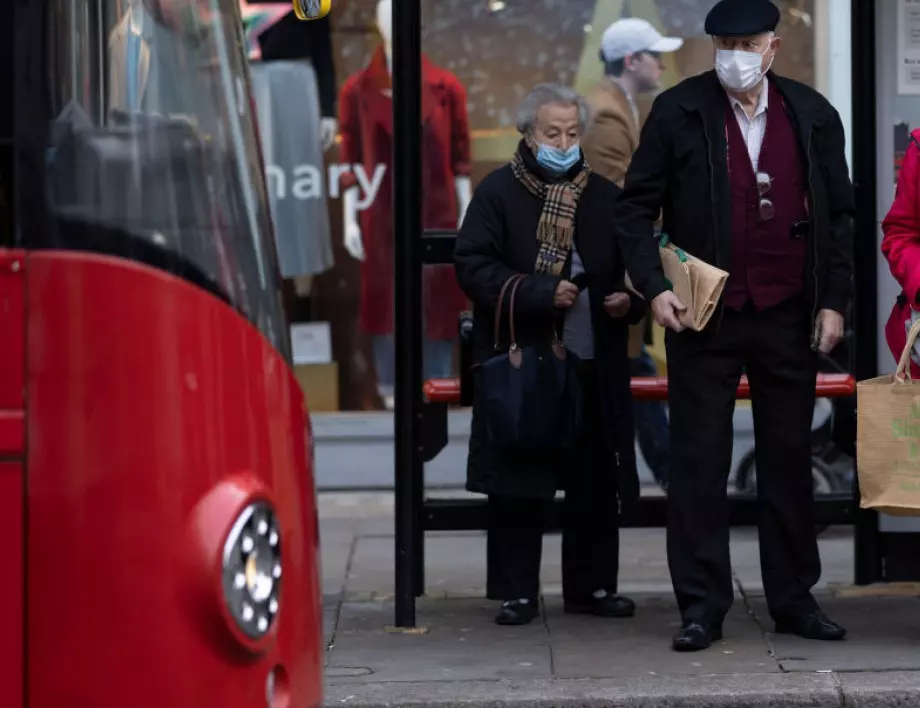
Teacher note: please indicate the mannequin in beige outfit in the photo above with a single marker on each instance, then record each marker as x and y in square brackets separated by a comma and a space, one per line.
[630, 50]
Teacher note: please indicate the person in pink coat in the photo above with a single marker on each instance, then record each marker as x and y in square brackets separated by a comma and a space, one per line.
[901, 248]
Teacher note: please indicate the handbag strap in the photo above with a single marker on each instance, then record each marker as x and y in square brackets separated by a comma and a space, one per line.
[514, 289]
[511, 283]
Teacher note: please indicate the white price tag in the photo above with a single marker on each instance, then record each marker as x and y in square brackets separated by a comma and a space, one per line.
[311, 343]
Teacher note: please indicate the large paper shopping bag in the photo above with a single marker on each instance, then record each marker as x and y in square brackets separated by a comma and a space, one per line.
[888, 439]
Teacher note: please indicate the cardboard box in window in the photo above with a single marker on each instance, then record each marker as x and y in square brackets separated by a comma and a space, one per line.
[311, 343]
[320, 386]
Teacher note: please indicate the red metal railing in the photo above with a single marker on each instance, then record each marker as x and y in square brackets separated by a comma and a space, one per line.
[654, 388]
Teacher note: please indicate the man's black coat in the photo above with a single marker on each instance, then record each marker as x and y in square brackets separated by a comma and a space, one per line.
[680, 171]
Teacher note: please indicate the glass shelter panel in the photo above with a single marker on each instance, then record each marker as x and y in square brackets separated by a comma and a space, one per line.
[480, 59]
[494, 53]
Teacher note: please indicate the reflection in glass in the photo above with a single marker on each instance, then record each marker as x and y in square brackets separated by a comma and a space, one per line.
[152, 151]
[366, 119]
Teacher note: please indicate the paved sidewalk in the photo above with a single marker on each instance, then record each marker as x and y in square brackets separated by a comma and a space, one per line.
[459, 657]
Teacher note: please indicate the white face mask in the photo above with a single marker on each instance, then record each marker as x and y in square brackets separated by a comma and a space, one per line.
[737, 70]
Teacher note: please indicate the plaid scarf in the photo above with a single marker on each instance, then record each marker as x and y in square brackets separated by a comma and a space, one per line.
[557, 221]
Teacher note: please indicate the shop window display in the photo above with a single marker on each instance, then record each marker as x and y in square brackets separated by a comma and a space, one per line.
[293, 85]
[294, 91]
[366, 108]
[480, 58]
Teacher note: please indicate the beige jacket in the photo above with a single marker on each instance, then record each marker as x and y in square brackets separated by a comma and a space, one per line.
[608, 144]
[613, 134]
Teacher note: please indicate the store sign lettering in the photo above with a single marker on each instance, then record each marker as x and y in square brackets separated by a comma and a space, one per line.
[306, 182]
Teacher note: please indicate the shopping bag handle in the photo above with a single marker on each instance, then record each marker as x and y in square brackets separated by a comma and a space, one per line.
[902, 373]
[664, 241]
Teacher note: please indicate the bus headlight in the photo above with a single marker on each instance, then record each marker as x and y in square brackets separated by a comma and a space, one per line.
[252, 570]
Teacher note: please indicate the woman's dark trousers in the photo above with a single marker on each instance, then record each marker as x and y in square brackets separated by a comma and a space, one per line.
[590, 523]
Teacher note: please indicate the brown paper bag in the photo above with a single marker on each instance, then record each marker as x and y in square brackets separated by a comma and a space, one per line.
[696, 283]
[888, 439]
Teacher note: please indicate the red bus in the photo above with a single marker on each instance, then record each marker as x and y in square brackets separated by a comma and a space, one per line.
[156, 477]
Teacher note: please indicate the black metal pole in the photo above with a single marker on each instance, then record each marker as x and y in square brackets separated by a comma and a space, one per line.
[407, 236]
[867, 562]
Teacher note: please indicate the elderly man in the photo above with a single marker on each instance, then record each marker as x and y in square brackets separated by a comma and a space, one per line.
[749, 171]
[631, 50]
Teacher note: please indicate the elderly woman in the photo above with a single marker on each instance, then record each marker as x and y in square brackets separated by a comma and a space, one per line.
[547, 216]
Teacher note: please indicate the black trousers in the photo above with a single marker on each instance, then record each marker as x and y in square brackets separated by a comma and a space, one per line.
[773, 347]
[590, 520]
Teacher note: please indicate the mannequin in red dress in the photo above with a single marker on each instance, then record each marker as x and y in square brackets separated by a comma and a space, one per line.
[366, 120]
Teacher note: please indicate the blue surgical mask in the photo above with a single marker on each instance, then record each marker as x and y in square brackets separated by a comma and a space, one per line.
[556, 160]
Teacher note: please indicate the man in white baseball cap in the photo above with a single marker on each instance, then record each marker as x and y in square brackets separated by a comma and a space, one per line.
[631, 52]
[631, 36]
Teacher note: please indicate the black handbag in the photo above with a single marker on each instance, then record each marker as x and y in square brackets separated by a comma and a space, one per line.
[530, 396]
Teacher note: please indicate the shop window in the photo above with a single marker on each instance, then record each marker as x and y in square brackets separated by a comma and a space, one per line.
[334, 232]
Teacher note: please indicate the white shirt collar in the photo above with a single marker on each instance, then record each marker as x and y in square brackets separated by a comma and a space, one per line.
[762, 101]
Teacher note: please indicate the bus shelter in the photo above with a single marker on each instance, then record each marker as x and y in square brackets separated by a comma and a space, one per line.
[881, 553]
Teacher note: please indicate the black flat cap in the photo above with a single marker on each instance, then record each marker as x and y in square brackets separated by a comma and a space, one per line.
[741, 18]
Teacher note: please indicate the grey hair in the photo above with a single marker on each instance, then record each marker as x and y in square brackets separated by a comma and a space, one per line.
[544, 94]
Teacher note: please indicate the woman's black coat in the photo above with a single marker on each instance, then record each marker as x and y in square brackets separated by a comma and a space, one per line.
[498, 240]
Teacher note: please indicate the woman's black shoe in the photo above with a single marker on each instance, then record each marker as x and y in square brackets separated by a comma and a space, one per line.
[696, 636]
[609, 605]
[517, 612]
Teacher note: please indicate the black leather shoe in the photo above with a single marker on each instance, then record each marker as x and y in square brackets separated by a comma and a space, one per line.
[517, 613]
[609, 605]
[814, 625]
[696, 636]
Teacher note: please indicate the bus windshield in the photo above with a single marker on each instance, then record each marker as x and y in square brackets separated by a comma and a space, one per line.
[150, 150]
